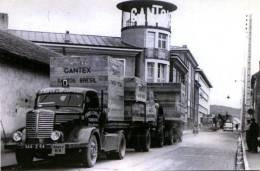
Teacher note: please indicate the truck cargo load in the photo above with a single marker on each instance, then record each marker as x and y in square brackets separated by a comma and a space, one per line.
[102, 73]
[137, 105]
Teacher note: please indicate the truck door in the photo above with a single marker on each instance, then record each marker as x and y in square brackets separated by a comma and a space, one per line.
[92, 108]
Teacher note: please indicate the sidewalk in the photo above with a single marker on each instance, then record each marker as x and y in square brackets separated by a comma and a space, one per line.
[7, 156]
[7, 159]
[253, 159]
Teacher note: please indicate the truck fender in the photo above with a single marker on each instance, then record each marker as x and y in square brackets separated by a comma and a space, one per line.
[85, 133]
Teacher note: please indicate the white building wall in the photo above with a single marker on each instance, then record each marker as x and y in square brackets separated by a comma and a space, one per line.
[18, 90]
[204, 97]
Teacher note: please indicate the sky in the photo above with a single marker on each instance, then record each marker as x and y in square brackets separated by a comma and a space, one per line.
[213, 30]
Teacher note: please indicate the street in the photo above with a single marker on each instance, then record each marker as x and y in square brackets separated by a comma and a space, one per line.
[204, 151]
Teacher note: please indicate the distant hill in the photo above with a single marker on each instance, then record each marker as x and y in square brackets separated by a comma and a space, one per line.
[216, 109]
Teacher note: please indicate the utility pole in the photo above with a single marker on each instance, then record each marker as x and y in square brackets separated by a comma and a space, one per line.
[243, 111]
[248, 100]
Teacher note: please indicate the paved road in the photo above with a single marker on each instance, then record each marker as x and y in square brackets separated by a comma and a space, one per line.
[205, 151]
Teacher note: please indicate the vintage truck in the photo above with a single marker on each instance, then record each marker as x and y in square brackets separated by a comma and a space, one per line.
[171, 97]
[89, 108]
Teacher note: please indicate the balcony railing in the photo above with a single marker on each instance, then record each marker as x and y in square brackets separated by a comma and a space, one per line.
[155, 53]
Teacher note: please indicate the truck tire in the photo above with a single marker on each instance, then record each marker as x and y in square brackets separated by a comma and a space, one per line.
[138, 142]
[146, 140]
[171, 137]
[180, 134]
[160, 139]
[120, 154]
[24, 158]
[90, 154]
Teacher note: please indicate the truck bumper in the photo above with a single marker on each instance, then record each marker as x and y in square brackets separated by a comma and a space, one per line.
[42, 147]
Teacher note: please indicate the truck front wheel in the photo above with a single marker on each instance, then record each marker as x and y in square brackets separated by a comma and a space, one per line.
[91, 152]
[146, 141]
[24, 158]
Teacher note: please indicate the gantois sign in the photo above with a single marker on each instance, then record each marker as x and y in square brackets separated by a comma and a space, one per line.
[154, 15]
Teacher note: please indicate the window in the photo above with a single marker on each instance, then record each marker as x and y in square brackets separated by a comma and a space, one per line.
[162, 72]
[151, 39]
[174, 75]
[91, 101]
[122, 61]
[150, 72]
[162, 41]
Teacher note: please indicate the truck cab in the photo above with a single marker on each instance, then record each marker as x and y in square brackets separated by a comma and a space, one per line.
[66, 120]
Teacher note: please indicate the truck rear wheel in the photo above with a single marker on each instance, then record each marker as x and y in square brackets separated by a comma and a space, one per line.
[146, 141]
[138, 142]
[91, 152]
[160, 139]
[120, 154]
[24, 158]
[171, 137]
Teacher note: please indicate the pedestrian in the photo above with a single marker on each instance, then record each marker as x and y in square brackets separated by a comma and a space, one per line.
[215, 122]
[248, 136]
[253, 131]
[236, 126]
[160, 114]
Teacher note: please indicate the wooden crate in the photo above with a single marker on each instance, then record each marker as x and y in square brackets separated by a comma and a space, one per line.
[169, 96]
[97, 72]
[136, 92]
[135, 89]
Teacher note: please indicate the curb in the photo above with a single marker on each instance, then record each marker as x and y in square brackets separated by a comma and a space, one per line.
[241, 162]
[244, 155]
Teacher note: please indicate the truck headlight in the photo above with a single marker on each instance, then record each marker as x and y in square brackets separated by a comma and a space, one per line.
[17, 136]
[55, 135]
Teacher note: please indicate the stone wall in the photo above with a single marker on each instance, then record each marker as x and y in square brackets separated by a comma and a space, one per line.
[18, 87]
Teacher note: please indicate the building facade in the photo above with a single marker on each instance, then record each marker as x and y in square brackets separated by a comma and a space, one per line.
[204, 95]
[188, 80]
[144, 47]
[255, 85]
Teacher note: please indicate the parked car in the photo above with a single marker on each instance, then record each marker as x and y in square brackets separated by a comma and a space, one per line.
[228, 126]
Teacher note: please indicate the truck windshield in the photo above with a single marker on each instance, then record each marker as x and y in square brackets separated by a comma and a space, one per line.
[60, 100]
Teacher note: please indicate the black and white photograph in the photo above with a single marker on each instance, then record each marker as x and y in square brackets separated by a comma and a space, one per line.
[129, 85]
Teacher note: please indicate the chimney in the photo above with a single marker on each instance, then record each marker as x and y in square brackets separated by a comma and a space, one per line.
[67, 37]
[184, 46]
[3, 21]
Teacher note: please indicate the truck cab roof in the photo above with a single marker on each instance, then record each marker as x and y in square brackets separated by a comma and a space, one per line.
[65, 90]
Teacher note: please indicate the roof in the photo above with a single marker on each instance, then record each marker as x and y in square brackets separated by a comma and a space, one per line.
[200, 71]
[185, 48]
[72, 39]
[128, 5]
[24, 49]
[65, 90]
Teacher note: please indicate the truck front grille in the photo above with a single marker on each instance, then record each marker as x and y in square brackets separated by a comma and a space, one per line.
[39, 124]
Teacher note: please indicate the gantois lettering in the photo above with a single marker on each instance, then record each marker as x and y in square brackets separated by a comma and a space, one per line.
[78, 70]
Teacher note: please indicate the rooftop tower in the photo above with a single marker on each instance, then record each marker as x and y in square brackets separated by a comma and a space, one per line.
[147, 24]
